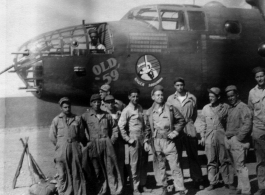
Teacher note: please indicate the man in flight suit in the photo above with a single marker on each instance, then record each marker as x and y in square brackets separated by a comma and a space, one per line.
[131, 125]
[119, 146]
[238, 129]
[66, 133]
[186, 103]
[103, 92]
[164, 124]
[102, 133]
[256, 103]
[213, 118]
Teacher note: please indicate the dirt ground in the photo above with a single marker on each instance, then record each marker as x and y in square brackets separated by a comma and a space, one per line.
[42, 150]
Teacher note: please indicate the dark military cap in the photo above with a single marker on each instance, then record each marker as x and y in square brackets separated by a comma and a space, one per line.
[215, 90]
[230, 88]
[95, 97]
[179, 79]
[64, 99]
[258, 69]
[109, 98]
[92, 31]
[105, 87]
[157, 88]
[133, 90]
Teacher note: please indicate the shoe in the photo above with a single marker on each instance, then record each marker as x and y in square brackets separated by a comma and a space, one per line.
[164, 192]
[143, 189]
[260, 192]
[136, 192]
[230, 187]
[198, 185]
[180, 193]
[210, 187]
[236, 192]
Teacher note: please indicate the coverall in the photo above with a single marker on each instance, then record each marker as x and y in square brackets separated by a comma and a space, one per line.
[131, 125]
[159, 125]
[188, 108]
[102, 133]
[66, 133]
[213, 131]
[238, 129]
[256, 103]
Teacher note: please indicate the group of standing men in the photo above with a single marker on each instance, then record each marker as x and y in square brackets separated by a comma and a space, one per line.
[90, 150]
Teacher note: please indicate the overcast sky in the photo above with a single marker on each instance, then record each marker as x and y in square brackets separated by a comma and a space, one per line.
[22, 20]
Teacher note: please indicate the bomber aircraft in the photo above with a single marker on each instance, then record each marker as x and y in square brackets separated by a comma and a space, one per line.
[208, 46]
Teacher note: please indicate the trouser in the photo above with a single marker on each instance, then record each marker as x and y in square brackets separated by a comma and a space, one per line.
[191, 145]
[106, 167]
[166, 150]
[259, 146]
[119, 147]
[215, 153]
[138, 161]
[238, 151]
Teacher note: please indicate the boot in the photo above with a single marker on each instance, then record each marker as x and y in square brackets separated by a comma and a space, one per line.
[164, 192]
[260, 192]
[210, 187]
[230, 187]
[136, 192]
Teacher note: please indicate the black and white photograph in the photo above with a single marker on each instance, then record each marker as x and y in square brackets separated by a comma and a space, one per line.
[135, 97]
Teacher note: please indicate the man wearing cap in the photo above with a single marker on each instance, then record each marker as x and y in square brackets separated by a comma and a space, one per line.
[66, 133]
[119, 146]
[102, 133]
[213, 121]
[163, 124]
[132, 127]
[103, 92]
[186, 103]
[256, 103]
[94, 44]
[237, 135]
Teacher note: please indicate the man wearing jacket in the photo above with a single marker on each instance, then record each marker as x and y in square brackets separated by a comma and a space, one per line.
[66, 133]
[163, 125]
[132, 127]
[213, 122]
[186, 103]
[237, 135]
[102, 133]
[256, 103]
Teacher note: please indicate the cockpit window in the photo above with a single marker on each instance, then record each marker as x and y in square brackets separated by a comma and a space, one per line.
[172, 20]
[147, 14]
[196, 20]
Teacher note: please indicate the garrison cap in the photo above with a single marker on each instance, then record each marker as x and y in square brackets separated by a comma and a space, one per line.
[105, 87]
[215, 90]
[230, 88]
[258, 69]
[179, 79]
[108, 98]
[64, 99]
[92, 31]
[95, 97]
[157, 88]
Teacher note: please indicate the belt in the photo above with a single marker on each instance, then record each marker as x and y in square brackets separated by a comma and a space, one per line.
[161, 135]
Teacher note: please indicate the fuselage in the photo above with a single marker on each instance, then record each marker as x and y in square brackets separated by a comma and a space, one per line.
[207, 46]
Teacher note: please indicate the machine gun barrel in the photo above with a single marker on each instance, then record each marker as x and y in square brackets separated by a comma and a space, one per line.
[6, 69]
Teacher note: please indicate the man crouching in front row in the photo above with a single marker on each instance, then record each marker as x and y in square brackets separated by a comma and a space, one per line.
[163, 124]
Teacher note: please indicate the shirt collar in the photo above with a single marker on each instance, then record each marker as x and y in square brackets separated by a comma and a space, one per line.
[235, 105]
[62, 115]
[134, 107]
[156, 109]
